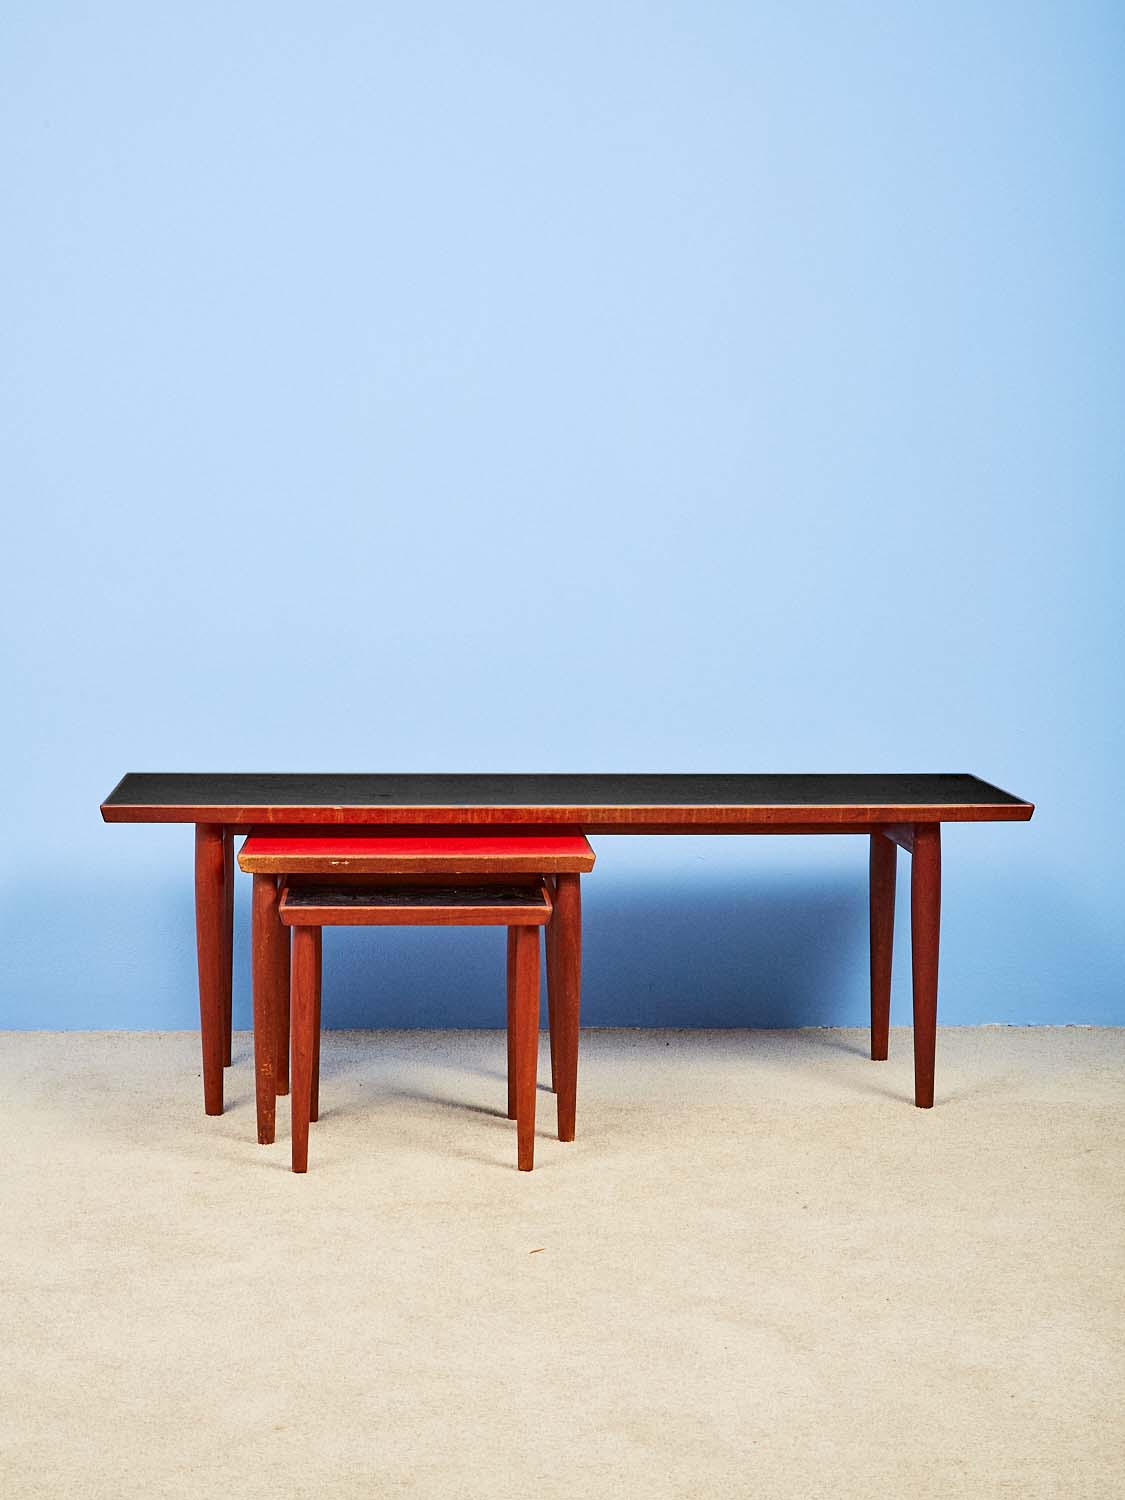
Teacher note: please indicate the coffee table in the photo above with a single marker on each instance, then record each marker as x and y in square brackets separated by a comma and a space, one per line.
[893, 810]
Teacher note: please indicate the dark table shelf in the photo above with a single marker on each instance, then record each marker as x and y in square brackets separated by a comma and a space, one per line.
[608, 801]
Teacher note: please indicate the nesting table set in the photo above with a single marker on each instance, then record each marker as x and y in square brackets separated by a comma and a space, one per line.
[523, 883]
[505, 850]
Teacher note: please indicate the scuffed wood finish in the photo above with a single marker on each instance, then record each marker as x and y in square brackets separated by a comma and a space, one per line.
[883, 869]
[267, 940]
[619, 802]
[213, 953]
[448, 852]
[925, 920]
[565, 979]
[527, 1042]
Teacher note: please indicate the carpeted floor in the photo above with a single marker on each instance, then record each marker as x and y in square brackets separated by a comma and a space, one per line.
[759, 1272]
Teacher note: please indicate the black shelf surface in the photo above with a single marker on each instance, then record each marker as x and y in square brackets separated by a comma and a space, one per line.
[242, 790]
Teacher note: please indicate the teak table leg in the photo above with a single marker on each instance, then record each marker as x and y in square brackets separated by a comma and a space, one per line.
[527, 1041]
[281, 1017]
[884, 864]
[512, 944]
[566, 979]
[925, 919]
[550, 933]
[268, 940]
[228, 940]
[314, 1087]
[213, 952]
[306, 981]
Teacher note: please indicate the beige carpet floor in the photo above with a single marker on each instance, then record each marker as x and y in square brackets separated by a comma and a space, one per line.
[759, 1272]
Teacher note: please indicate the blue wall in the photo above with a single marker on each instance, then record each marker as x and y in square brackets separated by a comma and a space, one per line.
[688, 386]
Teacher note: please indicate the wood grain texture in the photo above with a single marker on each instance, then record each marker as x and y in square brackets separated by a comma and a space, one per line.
[281, 1049]
[925, 922]
[306, 981]
[314, 1084]
[566, 977]
[549, 934]
[394, 854]
[213, 954]
[883, 870]
[527, 1042]
[511, 993]
[266, 938]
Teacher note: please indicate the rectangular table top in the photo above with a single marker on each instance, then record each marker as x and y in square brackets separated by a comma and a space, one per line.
[560, 852]
[611, 802]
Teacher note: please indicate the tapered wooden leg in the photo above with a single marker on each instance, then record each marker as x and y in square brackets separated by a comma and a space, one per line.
[566, 966]
[213, 954]
[268, 941]
[228, 937]
[925, 922]
[549, 934]
[527, 1042]
[884, 865]
[306, 978]
[314, 1094]
[281, 1054]
[513, 934]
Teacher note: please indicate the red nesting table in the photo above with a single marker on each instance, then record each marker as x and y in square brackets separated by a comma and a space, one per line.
[890, 810]
[456, 879]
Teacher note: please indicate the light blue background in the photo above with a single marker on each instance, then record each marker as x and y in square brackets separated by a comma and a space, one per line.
[685, 386]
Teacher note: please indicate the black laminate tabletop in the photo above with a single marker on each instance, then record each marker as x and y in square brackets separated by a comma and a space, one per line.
[620, 801]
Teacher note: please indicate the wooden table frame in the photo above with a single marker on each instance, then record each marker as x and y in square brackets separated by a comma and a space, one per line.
[893, 811]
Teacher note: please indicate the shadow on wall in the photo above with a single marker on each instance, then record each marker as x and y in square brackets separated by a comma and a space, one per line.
[765, 956]
[750, 954]
[758, 953]
[763, 949]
